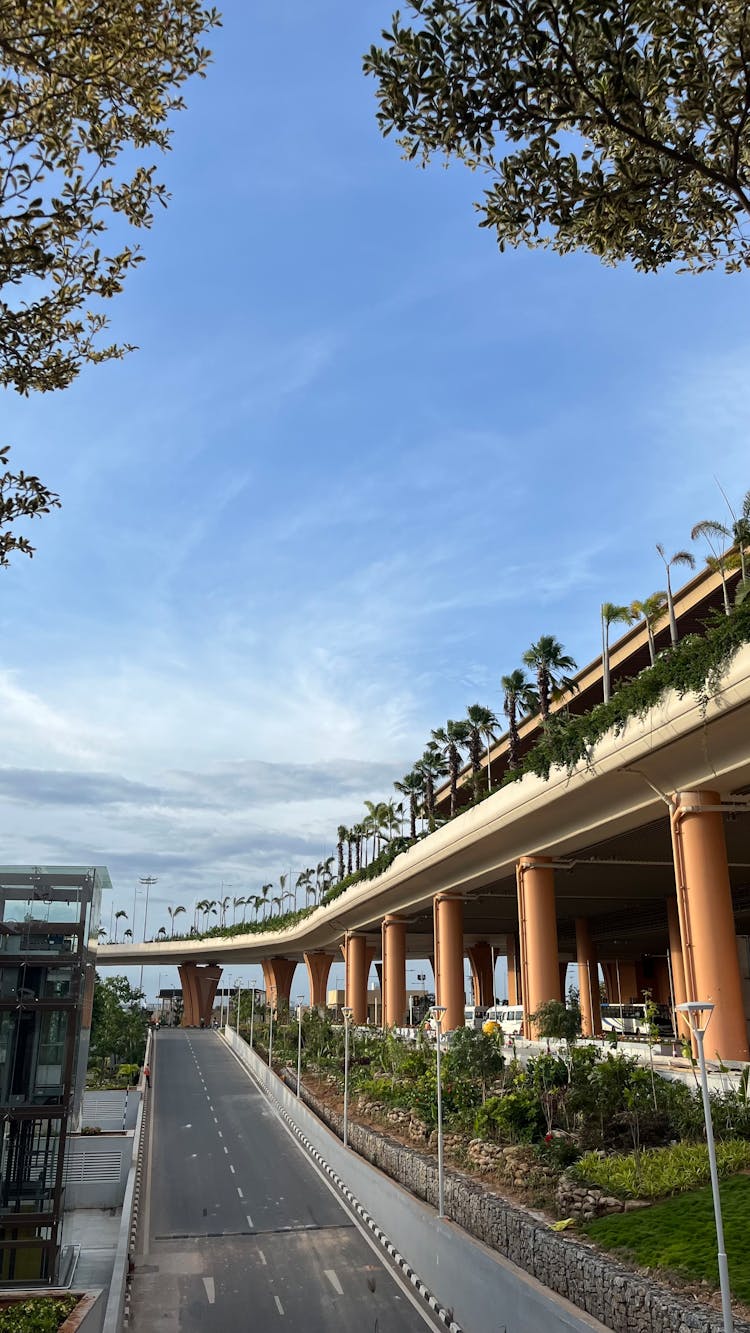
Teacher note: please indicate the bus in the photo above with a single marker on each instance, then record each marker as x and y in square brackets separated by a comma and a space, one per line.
[629, 1020]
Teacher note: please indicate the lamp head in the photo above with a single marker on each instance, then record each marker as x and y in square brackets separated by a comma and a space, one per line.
[437, 1011]
[694, 1011]
[348, 1013]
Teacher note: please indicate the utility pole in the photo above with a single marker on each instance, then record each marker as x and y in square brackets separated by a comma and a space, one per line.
[147, 881]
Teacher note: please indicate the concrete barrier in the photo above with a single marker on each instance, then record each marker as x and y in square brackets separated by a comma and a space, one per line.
[118, 1288]
[485, 1292]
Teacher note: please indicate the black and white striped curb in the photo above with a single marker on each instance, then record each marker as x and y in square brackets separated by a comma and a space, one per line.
[134, 1216]
[440, 1312]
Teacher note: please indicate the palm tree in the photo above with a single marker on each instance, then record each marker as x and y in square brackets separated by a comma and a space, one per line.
[358, 833]
[265, 890]
[482, 724]
[118, 917]
[276, 902]
[649, 610]
[174, 912]
[127, 934]
[412, 785]
[432, 766]
[223, 905]
[303, 881]
[101, 933]
[450, 740]
[161, 933]
[679, 558]
[342, 833]
[717, 535]
[551, 664]
[518, 696]
[611, 615]
[237, 902]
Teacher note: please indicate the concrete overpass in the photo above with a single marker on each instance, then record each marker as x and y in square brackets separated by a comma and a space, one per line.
[638, 860]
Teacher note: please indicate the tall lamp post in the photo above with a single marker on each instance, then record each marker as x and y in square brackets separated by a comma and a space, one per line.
[694, 1012]
[252, 1017]
[348, 1013]
[270, 1035]
[300, 999]
[437, 1012]
[146, 881]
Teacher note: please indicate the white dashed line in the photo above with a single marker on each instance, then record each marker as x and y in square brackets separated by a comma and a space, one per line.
[239, 1191]
[226, 1148]
[262, 1257]
[332, 1278]
[279, 1306]
[249, 1221]
[208, 1283]
[231, 1168]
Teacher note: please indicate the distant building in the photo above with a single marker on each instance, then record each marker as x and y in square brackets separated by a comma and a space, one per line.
[49, 919]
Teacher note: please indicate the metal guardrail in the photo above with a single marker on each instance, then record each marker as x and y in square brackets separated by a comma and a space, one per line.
[115, 1315]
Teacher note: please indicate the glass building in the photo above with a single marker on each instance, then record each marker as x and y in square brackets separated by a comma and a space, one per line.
[49, 921]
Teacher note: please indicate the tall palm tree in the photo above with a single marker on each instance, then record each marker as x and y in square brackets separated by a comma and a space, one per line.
[717, 536]
[412, 786]
[357, 836]
[342, 833]
[265, 890]
[650, 610]
[679, 558]
[236, 902]
[741, 534]
[349, 846]
[450, 740]
[482, 725]
[303, 881]
[127, 934]
[118, 917]
[174, 912]
[432, 766]
[519, 696]
[161, 933]
[551, 664]
[611, 615]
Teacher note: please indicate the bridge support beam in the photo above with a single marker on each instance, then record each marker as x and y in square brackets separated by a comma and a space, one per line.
[199, 982]
[707, 931]
[514, 972]
[588, 980]
[480, 957]
[277, 974]
[448, 924]
[537, 922]
[393, 976]
[358, 956]
[318, 968]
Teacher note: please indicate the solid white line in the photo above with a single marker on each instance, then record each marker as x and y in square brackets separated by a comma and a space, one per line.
[208, 1283]
[279, 1306]
[332, 1278]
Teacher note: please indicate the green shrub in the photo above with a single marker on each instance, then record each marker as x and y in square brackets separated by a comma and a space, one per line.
[129, 1073]
[515, 1117]
[42, 1315]
[658, 1172]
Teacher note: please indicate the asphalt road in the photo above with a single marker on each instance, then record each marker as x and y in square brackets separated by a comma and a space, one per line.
[238, 1230]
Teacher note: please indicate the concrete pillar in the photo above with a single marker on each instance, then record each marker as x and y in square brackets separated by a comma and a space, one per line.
[704, 902]
[588, 980]
[480, 957]
[318, 968]
[356, 977]
[199, 982]
[278, 973]
[393, 981]
[538, 935]
[448, 921]
[677, 964]
[514, 974]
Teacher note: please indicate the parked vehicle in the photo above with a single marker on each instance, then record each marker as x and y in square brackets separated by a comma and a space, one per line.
[474, 1016]
[630, 1020]
[509, 1019]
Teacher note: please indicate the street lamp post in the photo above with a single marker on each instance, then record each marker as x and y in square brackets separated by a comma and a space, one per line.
[239, 1004]
[252, 1017]
[348, 1012]
[694, 1011]
[299, 1041]
[147, 881]
[437, 1011]
[270, 1035]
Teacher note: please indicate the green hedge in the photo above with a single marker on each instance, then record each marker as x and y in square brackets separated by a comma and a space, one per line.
[42, 1315]
[658, 1172]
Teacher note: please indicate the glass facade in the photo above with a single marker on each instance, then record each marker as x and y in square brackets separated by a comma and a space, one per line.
[49, 918]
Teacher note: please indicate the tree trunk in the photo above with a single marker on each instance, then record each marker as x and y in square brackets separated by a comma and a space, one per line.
[513, 737]
[651, 643]
[605, 659]
[672, 617]
[413, 815]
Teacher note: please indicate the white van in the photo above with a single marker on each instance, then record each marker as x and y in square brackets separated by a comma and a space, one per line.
[509, 1019]
[474, 1016]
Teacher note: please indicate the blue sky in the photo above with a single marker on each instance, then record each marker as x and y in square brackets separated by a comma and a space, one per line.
[358, 463]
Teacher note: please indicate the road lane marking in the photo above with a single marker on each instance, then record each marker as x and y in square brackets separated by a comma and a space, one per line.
[279, 1306]
[227, 1150]
[219, 1132]
[262, 1257]
[208, 1283]
[250, 1221]
[239, 1191]
[231, 1168]
[332, 1278]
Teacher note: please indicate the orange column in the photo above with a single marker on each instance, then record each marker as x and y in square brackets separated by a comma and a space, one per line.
[707, 931]
[677, 964]
[278, 973]
[480, 958]
[588, 980]
[199, 983]
[394, 971]
[448, 918]
[318, 967]
[538, 935]
[356, 977]
[514, 990]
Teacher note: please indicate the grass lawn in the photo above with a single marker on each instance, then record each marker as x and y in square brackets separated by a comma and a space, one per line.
[680, 1234]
